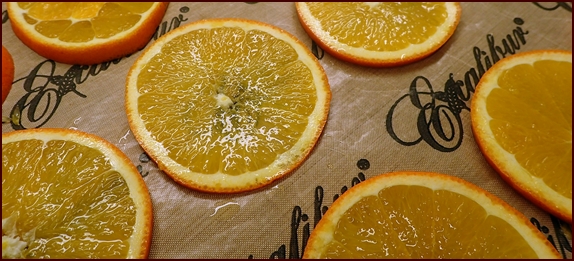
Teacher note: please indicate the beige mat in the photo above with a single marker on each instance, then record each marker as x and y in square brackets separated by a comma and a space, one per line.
[371, 129]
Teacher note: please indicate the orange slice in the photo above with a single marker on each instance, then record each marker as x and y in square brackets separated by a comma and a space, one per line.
[227, 105]
[85, 33]
[7, 73]
[424, 215]
[379, 34]
[69, 194]
[521, 114]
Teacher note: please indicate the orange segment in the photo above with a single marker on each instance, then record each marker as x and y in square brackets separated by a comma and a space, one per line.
[85, 33]
[379, 34]
[522, 121]
[69, 194]
[424, 215]
[227, 105]
[7, 73]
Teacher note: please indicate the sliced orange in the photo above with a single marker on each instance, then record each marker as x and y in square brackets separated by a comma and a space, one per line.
[521, 114]
[379, 34]
[69, 194]
[424, 215]
[7, 73]
[227, 105]
[85, 33]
